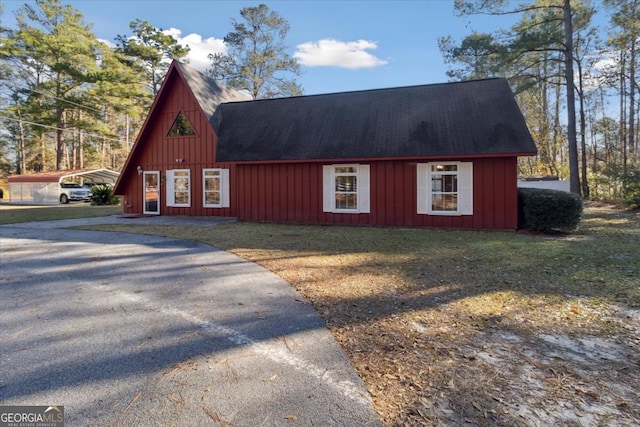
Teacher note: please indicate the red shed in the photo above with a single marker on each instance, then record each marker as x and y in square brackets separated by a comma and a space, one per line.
[441, 155]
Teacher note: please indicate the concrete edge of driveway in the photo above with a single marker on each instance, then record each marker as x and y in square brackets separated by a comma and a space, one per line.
[127, 220]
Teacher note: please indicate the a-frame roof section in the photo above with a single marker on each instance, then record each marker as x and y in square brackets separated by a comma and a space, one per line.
[463, 119]
[207, 92]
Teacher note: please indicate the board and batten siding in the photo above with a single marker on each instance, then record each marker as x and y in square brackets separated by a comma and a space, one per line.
[157, 152]
[293, 193]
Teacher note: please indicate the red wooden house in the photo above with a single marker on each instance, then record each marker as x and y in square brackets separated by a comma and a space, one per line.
[441, 155]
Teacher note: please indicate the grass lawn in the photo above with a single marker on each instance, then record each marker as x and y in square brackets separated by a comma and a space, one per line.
[11, 214]
[450, 327]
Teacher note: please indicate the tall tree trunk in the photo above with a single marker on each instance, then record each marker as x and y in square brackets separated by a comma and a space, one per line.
[154, 81]
[21, 164]
[73, 161]
[545, 132]
[80, 162]
[81, 150]
[632, 97]
[103, 150]
[557, 129]
[60, 142]
[43, 156]
[583, 137]
[607, 143]
[574, 178]
[623, 112]
[126, 131]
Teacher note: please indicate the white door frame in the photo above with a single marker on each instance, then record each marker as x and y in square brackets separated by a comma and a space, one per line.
[147, 202]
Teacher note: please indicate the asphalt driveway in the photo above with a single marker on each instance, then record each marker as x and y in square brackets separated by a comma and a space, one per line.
[125, 329]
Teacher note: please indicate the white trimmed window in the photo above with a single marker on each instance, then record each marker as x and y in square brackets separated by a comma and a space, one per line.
[445, 188]
[179, 188]
[345, 188]
[216, 188]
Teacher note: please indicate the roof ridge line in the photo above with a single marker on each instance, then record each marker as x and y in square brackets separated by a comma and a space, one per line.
[346, 92]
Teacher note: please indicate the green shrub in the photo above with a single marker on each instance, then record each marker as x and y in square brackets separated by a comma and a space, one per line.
[631, 189]
[101, 195]
[548, 211]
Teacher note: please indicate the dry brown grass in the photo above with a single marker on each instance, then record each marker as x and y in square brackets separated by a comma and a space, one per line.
[484, 328]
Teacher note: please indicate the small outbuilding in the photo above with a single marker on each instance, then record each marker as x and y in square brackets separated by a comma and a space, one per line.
[51, 188]
[441, 155]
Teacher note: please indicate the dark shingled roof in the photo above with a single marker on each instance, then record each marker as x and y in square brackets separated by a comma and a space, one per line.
[477, 117]
[207, 91]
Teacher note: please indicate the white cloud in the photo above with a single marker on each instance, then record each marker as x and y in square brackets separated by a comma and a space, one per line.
[109, 43]
[336, 53]
[594, 76]
[199, 48]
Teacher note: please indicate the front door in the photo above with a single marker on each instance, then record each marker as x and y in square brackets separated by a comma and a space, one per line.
[151, 193]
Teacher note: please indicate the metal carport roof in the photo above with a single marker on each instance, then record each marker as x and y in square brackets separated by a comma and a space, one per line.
[92, 175]
[44, 188]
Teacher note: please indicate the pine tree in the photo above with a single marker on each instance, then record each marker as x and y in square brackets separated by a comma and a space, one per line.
[257, 61]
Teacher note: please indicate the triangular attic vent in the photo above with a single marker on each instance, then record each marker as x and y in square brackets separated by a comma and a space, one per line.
[181, 127]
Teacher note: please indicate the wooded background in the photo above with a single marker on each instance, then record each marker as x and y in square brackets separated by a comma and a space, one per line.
[70, 101]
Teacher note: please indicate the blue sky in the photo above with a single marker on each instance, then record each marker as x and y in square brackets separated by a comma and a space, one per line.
[342, 45]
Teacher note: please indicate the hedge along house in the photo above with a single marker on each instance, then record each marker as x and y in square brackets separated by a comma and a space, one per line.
[442, 155]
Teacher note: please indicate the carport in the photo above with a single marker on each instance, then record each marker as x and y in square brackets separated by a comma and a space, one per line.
[44, 188]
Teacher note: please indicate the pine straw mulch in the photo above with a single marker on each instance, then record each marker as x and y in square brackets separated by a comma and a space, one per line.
[466, 327]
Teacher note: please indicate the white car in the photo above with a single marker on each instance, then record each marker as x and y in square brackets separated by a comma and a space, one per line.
[71, 191]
